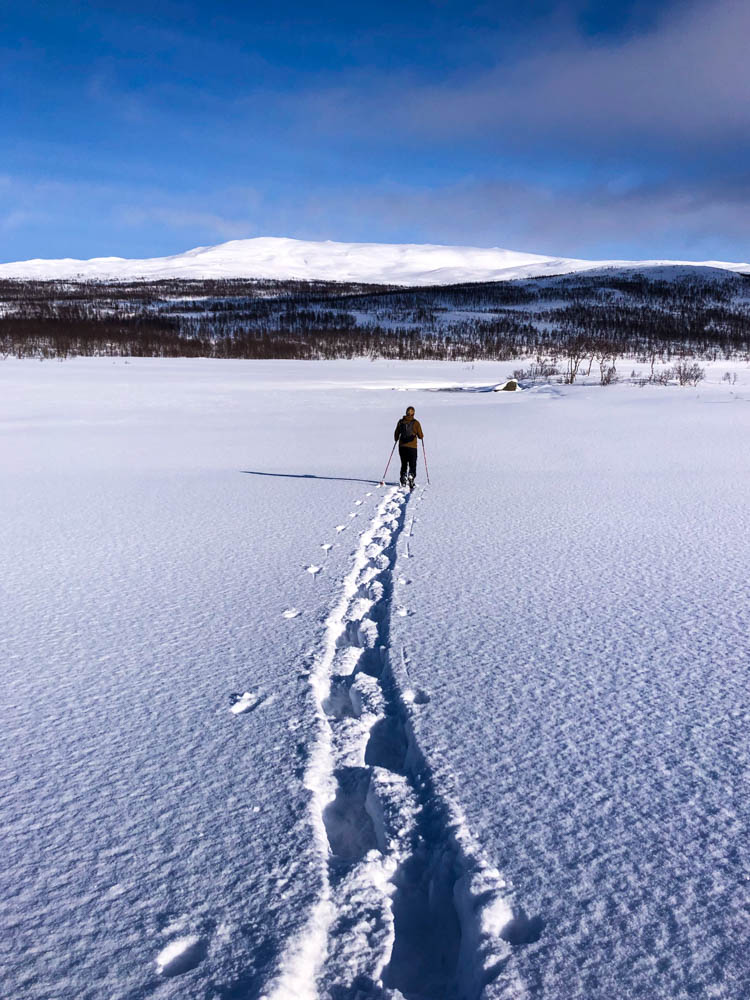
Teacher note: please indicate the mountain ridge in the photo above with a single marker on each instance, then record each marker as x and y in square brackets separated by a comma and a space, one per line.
[281, 258]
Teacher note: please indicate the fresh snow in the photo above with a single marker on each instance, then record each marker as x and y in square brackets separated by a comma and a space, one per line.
[495, 746]
[179, 956]
[245, 703]
[381, 263]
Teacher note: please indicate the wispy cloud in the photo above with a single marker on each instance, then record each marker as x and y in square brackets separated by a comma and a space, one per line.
[600, 221]
[18, 218]
[177, 218]
[58, 214]
[685, 82]
[546, 135]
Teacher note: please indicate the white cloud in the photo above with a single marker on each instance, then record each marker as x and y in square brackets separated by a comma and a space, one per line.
[600, 221]
[185, 218]
[684, 82]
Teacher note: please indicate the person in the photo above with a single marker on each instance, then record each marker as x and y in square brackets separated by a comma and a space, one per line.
[408, 432]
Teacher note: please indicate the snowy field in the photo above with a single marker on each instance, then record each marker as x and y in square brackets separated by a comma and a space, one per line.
[269, 730]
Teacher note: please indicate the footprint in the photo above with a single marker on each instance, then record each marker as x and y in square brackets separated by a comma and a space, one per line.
[522, 929]
[245, 702]
[358, 503]
[314, 570]
[181, 955]
[368, 494]
[354, 514]
[416, 697]
[326, 546]
[349, 827]
[340, 527]
[291, 613]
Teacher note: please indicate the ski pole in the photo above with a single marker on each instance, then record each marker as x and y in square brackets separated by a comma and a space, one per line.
[424, 455]
[382, 481]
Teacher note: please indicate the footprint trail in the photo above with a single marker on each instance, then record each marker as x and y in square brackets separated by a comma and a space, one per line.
[409, 907]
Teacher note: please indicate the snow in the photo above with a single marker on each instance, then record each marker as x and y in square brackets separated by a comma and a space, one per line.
[179, 956]
[495, 746]
[246, 703]
[382, 263]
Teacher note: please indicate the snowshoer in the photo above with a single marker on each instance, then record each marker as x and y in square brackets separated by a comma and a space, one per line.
[408, 432]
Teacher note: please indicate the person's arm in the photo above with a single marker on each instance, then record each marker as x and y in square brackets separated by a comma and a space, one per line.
[418, 429]
[396, 432]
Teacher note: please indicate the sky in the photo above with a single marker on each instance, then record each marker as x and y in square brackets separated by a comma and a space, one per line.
[617, 129]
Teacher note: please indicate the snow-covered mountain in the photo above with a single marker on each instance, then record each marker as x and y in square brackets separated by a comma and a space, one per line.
[382, 263]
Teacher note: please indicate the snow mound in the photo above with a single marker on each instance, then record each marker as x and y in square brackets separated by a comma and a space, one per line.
[379, 263]
[245, 703]
[180, 955]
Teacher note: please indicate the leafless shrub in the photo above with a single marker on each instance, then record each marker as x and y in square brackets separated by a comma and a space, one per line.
[663, 377]
[578, 348]
[688, 372]
[684, 373]
[541, 369]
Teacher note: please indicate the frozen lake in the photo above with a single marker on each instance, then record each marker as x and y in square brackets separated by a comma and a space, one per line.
[271, 730]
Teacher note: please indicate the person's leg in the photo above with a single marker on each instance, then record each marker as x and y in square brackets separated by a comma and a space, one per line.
[413, 463]
[403, 454]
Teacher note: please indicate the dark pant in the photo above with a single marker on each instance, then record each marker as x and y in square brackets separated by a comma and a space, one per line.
[408, 458]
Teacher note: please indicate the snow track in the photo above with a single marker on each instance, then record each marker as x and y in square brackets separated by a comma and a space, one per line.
[409, 907]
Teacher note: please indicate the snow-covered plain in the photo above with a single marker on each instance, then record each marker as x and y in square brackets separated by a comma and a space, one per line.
[383, 263]
[270, 730]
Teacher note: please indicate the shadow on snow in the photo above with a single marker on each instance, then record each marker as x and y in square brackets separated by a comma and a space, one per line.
[309, 475]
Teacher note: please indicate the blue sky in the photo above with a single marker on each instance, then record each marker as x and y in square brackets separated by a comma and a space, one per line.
[593, 129]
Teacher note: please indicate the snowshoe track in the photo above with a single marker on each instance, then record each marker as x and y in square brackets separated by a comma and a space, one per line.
[409, 908]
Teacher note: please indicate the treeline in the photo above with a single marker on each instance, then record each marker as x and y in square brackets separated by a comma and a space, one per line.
[703, 314]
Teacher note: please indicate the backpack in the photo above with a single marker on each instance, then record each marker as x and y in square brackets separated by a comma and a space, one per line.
[406, 431]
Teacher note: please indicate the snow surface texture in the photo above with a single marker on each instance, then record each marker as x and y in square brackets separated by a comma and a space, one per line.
[381, 263]
[494, 746]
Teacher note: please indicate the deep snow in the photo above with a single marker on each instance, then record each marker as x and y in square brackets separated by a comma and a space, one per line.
[382, 263]
[268, 730]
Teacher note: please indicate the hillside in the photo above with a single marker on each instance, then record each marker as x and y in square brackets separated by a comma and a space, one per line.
[659, 312]
[287, 259]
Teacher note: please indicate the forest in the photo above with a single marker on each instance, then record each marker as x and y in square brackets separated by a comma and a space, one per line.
[685, 313]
